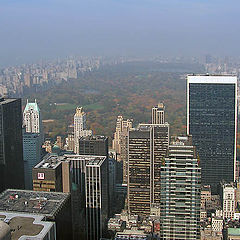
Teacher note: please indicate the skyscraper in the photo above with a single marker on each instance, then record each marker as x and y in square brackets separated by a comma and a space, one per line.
[93, 145]
[180, 192]
[122, 127]
[32, 118]
[158, 114]
[147, 146]
[80, 127]
[96, 146]
[119, 144]
[212, 122]
[80, 202]
[79, 122]
[11, 146]
[31, 155]
[48, 174]
[96, 180]
[32, 140]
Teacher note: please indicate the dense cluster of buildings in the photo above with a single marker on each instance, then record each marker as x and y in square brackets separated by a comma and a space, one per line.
[149, 185]
[16, 81]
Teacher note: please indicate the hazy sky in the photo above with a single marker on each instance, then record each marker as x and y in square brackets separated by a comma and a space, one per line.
[35, 29]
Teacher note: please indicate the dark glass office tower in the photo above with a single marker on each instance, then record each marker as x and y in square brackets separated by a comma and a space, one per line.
[11, 146]
[96, 186]
[212, 122]
[93, 145]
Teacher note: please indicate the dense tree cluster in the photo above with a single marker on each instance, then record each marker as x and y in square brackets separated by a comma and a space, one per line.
[113, 91]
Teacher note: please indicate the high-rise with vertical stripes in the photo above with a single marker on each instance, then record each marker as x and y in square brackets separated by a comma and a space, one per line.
[212, 122]
[180, 192]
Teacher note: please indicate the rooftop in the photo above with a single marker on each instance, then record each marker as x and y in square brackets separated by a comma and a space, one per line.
[26, 226]
[97, 161]
[73, 157]
[206, 188]
[131, 234]
[147, 126]
[34, 202]
[212, 79]
[50, 161]
[32, 106]
[160, 106]
[94, 137]
[181, 141]
[7, 100]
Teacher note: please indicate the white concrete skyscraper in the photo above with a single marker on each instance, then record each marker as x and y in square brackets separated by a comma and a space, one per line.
[32, 139]
[32, 118]
[80, 127]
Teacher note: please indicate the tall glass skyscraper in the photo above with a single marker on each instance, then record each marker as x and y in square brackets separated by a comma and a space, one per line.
[212, 122]
[11, 146]
[180, 192]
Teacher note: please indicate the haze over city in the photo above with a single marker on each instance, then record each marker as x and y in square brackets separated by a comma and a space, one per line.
[33, 30]
[119, 120]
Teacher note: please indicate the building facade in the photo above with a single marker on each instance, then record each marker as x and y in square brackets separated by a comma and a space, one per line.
[32, 119]
[212, 122]
[11, 146]
[180, 192]
[80, 127]
[31, 155]
[229, 203]
[48, 175]
[158, 114]
[147, 147]
[119, 145]
[121, 126]
[96, 180]
[93, 145]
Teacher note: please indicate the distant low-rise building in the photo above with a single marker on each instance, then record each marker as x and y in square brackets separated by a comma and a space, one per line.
[228, 201]
[217, 224]
[205, 195]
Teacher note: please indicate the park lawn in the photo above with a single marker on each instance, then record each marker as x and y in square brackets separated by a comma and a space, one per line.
[94, 106]
[67, 106]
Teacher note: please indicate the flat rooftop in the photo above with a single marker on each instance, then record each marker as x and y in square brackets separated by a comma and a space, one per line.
[87, 158]
[212, 79]
[7, 100]
[131, 234]
[26, 226]
[97, 161]
[94, 137]
[33, 202]
[146, 126]
[181, 140]
[50, 161]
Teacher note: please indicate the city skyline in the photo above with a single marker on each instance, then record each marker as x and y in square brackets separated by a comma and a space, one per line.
[119, 120]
